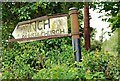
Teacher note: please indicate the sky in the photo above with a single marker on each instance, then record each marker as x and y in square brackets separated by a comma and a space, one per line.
[97, 23]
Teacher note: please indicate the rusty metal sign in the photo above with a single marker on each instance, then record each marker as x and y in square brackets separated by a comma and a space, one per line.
[36, 28]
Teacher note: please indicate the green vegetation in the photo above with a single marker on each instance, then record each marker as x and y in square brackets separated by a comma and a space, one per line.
[53, 58]
[33, 62]
[112, 45]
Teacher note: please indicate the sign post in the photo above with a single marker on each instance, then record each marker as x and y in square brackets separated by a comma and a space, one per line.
[86, 26]
[75, 33]
[50, 27]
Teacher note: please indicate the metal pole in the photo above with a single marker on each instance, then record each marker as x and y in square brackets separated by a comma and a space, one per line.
[75, 33]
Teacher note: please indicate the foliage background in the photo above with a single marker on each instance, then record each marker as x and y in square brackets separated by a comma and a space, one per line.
[53, 58]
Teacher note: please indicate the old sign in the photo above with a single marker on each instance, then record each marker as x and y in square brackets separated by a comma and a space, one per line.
[51, 26]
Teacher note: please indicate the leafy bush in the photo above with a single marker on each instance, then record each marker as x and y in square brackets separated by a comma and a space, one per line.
[25, 59]
[57, 72]
[26, 63]
[101, 65]
[95, 65]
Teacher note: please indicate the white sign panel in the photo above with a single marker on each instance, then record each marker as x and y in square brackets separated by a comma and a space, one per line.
[42, 28]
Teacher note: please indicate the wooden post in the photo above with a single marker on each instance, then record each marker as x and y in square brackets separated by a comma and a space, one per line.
[86, 26]
[75, 34]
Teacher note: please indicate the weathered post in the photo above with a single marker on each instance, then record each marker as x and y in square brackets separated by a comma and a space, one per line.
[86, 26]
[75, 33]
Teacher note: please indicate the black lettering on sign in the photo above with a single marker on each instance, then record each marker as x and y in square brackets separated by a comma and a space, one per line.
[46, 34]
[36, 34]
[24, 36]
[53, 31]
[62, 31]
[47, 23]
[36, 25]
[33, 34]
[40, 23]
[58, 31]
[42, 33]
